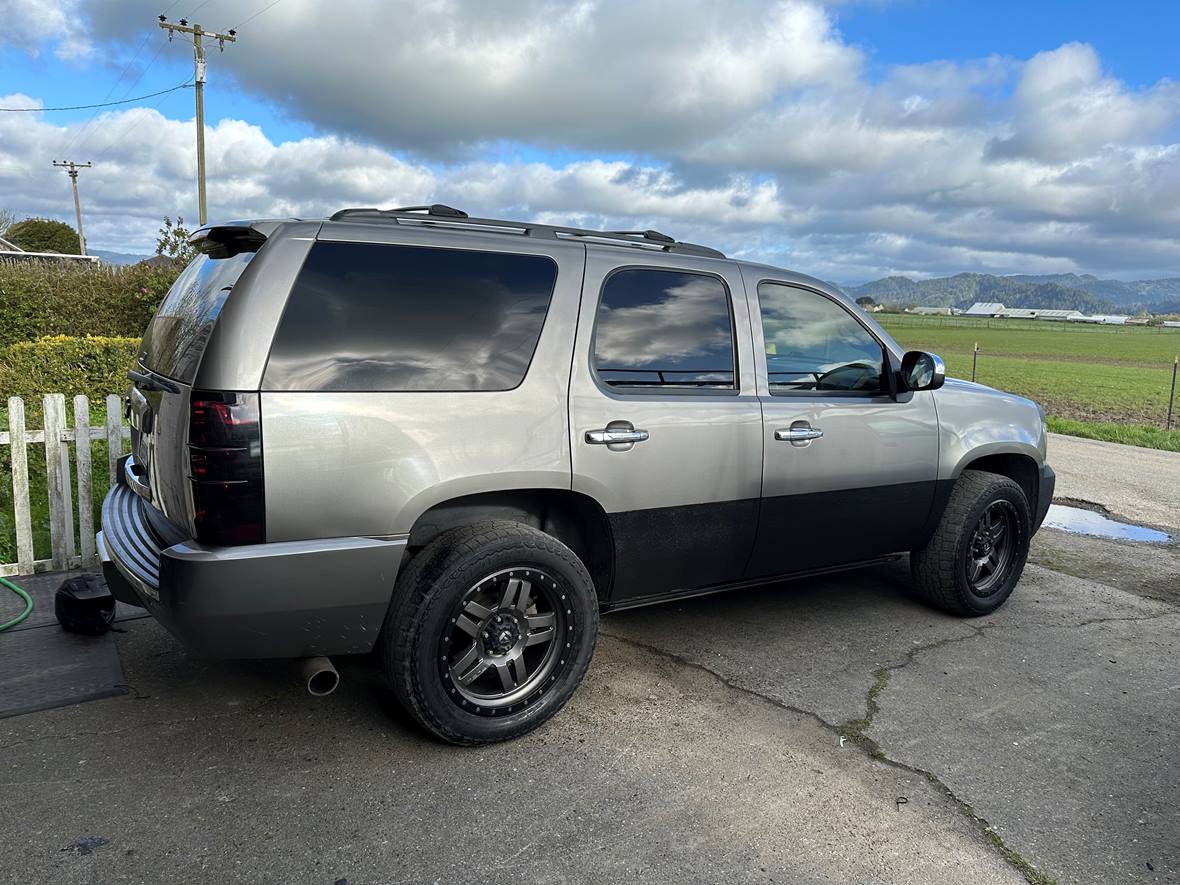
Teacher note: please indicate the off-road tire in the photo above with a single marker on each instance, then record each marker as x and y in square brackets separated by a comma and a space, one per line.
[427, 591]
[940, 570]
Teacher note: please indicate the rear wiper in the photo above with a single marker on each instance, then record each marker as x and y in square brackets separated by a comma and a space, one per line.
[148, 382]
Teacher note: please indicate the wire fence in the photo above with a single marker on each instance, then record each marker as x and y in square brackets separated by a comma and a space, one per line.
[1174, 368]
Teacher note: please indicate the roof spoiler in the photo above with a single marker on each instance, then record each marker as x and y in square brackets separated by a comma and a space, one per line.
[227, 240]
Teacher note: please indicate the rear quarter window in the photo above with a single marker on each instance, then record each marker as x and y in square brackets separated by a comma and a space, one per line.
[176, 336]
[372, 317]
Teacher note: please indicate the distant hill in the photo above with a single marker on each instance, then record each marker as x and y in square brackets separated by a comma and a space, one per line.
[1083, 292]
[118, 257]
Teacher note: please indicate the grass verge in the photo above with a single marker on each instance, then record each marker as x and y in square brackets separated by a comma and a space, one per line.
[1127, 434]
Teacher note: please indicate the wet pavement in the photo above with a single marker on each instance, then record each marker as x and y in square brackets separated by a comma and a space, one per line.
[1090, 522]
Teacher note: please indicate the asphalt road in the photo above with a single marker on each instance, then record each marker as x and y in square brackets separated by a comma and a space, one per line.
[1134, 483]
[705, 746]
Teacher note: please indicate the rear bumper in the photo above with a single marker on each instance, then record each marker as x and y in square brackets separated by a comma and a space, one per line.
[1047, 483]
[288, 599]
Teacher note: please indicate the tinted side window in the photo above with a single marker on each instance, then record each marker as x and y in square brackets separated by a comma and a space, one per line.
[812, 343]
[176, 337]
[375, 317]
[659, 328]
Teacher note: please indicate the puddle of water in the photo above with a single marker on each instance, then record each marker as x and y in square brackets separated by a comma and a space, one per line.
[1087, 522]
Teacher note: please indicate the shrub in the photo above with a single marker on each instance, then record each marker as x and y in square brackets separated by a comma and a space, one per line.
[44, 235]
[92, 365]
[39, 298]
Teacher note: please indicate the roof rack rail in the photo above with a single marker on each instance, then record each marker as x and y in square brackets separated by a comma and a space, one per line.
[437, 209]
[439, 215]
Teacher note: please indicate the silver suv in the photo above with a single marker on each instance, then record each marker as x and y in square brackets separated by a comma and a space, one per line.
[458, 440]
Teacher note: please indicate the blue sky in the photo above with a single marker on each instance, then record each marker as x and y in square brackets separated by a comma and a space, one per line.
[850, 140]
[1137, 39]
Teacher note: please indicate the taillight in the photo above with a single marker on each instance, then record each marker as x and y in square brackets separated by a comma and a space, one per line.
[225, 467]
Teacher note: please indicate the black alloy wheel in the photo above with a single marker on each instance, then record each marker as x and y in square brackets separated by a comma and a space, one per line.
[507, 641]
[976, 555]
[989, 552]
[490, 630]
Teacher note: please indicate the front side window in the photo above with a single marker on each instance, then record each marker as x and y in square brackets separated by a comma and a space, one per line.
[814, 344]
[664, 329]
[371, 317]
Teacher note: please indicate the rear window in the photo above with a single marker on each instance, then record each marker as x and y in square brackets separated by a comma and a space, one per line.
[364, 317]
[177, 335]
[664, 329]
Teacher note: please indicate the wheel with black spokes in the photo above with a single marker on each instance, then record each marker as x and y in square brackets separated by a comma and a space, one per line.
[977, 553]
[491, 629]
[991, 547]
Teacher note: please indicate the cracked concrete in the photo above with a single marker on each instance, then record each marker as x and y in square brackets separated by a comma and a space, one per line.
[1051, 722]
[656, 772]
[704, 747]
[1039, 744]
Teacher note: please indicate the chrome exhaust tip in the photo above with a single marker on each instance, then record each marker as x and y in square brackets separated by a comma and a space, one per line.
[319, 676]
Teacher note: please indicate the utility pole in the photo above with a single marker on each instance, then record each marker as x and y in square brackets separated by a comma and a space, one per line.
[73, 173]
[199, 82]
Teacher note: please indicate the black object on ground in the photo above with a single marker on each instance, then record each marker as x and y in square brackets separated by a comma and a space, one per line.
[83, 604]
[42, 666]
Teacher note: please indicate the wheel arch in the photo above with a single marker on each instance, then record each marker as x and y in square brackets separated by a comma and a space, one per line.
[1018, 462]
[577, 520]
[1020, 467]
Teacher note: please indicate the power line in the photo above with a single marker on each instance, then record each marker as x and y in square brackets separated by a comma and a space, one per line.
[90, 127]
[85, 129]
[131, 127]
[105, 104]
[258, 13]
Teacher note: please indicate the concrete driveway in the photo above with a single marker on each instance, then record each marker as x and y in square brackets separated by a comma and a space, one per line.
[764, 735]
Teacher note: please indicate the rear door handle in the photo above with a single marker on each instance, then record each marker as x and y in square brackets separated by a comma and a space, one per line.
[611, 437]
[798, 434]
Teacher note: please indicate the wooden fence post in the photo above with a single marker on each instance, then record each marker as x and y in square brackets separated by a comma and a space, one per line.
[85, 492]
[114, 434]
[20, 485]
[54, 421]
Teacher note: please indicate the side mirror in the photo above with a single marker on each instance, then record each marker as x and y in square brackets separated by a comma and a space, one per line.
[922, 371]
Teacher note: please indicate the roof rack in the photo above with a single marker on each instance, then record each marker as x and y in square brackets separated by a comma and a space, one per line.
[439, 215]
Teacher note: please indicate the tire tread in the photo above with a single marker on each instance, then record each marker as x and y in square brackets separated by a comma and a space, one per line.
[412, 594]
[934, 568]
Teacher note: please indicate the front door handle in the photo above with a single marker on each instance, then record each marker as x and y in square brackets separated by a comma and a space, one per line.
[798, 434]
[614, 437]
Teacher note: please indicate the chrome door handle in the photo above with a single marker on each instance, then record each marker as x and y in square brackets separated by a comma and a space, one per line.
[798, 434]
[610, 437]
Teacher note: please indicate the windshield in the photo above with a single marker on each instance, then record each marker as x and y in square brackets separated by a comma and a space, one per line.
[177, 335]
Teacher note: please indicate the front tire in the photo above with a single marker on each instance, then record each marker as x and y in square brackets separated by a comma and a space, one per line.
[972, 562]
[491, 629]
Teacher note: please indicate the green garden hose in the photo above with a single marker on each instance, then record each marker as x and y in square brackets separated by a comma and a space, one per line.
[28, 605]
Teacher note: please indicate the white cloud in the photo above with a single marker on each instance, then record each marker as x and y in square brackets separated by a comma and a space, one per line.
[29, 23]
[753, 127]
[1066, 109]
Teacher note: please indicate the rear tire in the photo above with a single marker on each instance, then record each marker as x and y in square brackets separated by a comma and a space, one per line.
[975, 557]
[491, 629]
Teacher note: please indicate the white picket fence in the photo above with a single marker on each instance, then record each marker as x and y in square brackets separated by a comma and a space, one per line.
[57, 437]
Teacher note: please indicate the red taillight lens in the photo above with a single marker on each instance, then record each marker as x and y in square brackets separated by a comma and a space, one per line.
[225, 467]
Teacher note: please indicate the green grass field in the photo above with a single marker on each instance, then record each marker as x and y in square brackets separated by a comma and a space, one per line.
[1103, 382]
